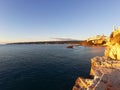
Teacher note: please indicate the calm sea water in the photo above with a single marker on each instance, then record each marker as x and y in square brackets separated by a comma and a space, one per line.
[43, 67]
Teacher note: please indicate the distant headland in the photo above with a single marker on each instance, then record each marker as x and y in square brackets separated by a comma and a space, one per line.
[98, 40]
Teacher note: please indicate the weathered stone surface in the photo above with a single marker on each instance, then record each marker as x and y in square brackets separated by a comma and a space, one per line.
[109, 81]
[105, 72]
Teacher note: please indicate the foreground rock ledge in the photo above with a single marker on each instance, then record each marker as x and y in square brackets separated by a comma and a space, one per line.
[106, 74]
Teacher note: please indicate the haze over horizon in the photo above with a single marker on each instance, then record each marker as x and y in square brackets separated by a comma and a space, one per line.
[44, 20]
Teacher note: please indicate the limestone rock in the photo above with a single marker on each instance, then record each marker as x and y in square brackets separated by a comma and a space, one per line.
[106, 69]
[105, 73]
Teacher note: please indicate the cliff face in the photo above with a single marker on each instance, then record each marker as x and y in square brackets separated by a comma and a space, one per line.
[106, 75]
[105, 70]
[98, 40]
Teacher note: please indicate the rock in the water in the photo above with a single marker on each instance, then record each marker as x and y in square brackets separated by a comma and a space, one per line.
[70, 46]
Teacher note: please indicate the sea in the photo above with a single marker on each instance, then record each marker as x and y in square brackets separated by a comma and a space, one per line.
[44, 66]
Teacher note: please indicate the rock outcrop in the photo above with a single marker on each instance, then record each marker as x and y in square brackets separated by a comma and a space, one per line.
[105, 70]
[98, 40]
[106, 74]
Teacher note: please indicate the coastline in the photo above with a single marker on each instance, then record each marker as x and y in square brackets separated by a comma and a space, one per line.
[74, 43]
[104, 72]
[106, 69]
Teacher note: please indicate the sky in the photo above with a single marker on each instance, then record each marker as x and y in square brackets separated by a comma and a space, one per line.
[44, 20]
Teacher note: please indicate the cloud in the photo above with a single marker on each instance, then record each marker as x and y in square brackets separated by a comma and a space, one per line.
[65, 39]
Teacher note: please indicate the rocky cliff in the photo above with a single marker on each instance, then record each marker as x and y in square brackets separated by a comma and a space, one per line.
[105, 73]
[105, 70]
[98, 40]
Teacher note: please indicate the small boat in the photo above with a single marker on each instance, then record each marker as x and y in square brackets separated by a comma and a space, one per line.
[70, 46]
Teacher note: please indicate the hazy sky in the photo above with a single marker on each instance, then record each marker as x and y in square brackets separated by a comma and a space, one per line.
[36, 20]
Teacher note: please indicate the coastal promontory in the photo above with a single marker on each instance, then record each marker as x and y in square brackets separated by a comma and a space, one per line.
[105, 70]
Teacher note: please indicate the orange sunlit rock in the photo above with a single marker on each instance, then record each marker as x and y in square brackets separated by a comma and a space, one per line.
[106, 69]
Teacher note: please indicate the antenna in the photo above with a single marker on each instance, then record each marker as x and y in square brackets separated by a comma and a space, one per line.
[114, 27]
